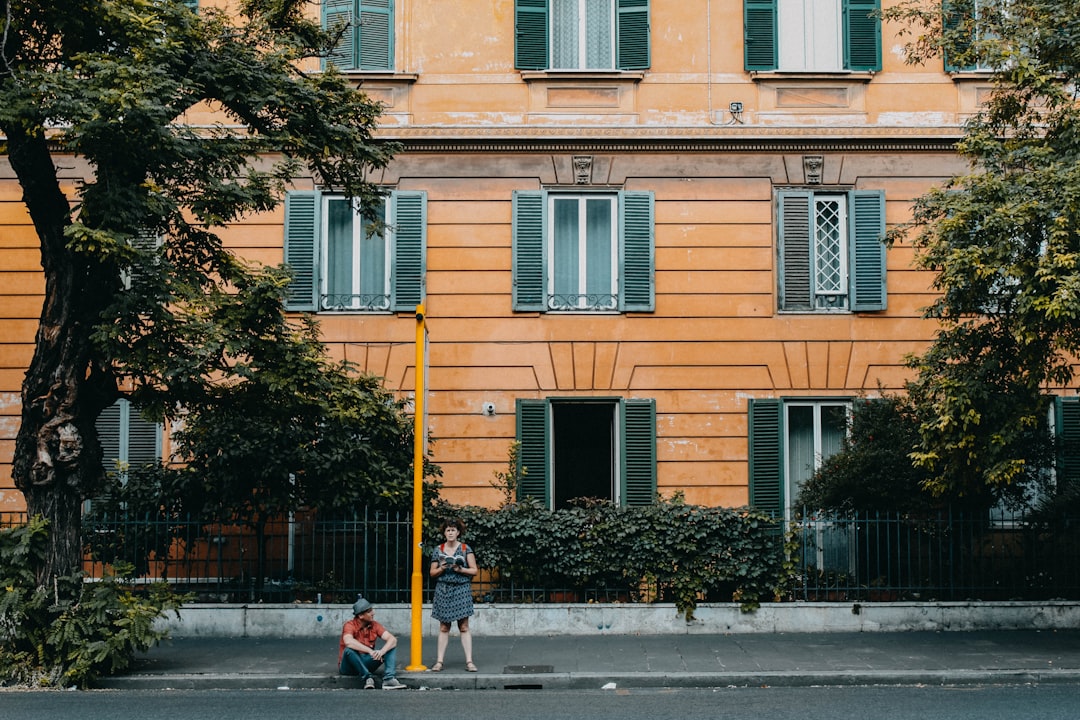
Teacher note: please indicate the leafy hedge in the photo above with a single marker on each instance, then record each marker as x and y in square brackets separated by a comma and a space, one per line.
[69, 632]
[688, 552]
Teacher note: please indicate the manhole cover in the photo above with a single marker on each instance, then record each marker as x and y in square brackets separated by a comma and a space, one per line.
[524, 669]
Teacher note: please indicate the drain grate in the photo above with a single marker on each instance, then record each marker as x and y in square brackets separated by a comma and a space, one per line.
[527, 669]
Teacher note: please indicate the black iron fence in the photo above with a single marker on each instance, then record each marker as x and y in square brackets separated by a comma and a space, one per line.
[297, 558]
[945, 556]
[859, 557]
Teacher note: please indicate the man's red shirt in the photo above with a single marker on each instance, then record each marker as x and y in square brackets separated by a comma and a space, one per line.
[366, 634]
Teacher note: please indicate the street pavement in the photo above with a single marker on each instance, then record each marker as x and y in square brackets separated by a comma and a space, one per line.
[622, 661]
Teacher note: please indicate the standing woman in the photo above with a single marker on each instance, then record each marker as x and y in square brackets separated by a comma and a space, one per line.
[454, 565]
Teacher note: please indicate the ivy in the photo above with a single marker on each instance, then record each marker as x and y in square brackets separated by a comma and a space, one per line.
[74, 631]
[686, 552]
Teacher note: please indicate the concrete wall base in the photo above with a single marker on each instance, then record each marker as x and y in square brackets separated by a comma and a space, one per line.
[308, 620]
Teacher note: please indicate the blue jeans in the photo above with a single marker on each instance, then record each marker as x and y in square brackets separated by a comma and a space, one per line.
[362, 664]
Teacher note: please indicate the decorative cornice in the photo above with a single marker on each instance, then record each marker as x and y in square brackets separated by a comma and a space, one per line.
[703, 139]
[515, 139]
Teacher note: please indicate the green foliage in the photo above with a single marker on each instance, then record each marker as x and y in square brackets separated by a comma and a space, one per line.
[874, 470]
[688, 551]
[507, 481]
[143, 300]
[301, 432]
[1003, 241]
[74, 631]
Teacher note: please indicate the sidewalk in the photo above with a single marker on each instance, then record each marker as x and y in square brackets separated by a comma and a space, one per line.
[593, 662]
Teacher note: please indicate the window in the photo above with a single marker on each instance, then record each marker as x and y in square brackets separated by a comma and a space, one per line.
[790, 439]
[589, 252]
[788, 442]
[831, 250]
[1045, 472]
[582, 447]
[812, 35]
[148, 245]
[367, 33]
[340, 262]
[127, 439]
[974, 17]
[581, 34]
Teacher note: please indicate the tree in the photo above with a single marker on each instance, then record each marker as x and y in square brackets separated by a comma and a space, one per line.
[1003, 240]
[141, 298]
[872, 471]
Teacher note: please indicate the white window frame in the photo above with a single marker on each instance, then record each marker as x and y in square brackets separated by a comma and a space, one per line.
[360, 226]
[811, 35]
[1001, 515]
[981, 33]
[832, 542]
[581, 36]
[790, 488]
[582, 302]
[841, 248]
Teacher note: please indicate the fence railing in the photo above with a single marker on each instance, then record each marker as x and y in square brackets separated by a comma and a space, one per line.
[859, 557]
[940, 556]
[288, 559]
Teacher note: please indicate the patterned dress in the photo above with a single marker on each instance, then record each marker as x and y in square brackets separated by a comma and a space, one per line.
[453, 592]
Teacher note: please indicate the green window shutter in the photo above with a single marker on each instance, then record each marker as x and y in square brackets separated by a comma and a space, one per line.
[409, 222]
[866, 236]
[759, 34]
[638, 457]
[192, 5]
[143, 440]
[529, 258]
[954, 18]
[108, 430]
[337, 13]
[862, 35]
[636, 252]
[766, 457]
[127, 437]
[532, 434]
[633, 35]
[376, 34]
[531, 34]
[793, 222]
[302, 249]
[1068, 436]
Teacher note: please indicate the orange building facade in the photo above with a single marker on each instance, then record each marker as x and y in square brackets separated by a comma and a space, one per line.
[647, 235]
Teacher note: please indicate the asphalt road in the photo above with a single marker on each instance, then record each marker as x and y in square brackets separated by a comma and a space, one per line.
[1042, 702]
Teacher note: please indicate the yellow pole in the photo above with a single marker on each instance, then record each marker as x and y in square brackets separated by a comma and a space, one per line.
[419, 441]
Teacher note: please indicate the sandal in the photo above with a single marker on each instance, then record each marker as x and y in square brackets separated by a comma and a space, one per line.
[470, 667]
[437, 667]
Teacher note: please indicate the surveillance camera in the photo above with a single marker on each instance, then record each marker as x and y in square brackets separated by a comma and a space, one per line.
[489, 408]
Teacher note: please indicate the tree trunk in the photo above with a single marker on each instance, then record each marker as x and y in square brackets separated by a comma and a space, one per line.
[57, 460]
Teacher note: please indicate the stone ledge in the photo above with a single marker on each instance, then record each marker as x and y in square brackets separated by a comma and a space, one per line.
[306, 620]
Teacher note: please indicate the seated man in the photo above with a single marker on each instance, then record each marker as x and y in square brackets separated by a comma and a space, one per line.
[356, 651]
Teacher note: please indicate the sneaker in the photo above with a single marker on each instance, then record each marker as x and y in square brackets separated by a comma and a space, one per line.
[393, 684]
[369, 684]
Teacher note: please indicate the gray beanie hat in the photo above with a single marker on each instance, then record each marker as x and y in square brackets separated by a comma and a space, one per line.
[361, 606]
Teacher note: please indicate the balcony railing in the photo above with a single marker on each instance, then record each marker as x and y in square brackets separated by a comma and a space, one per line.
[343, 302]
[593, 302]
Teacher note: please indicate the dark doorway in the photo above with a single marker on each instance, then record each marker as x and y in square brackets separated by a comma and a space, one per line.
[583, 445]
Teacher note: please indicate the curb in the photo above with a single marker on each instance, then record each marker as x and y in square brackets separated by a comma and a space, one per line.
[593, 681]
